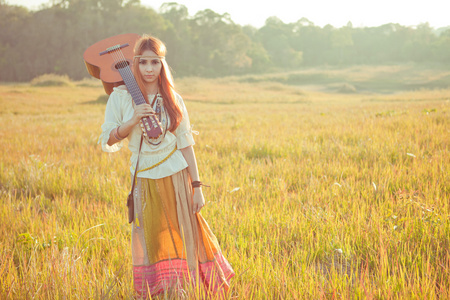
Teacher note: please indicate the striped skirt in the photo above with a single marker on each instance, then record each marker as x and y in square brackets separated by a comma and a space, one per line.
[172, 248]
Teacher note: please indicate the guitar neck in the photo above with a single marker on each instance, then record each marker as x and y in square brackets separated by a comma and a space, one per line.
[132, 85]
[150, 125]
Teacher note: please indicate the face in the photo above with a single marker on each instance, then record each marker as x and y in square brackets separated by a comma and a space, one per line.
[150, 66]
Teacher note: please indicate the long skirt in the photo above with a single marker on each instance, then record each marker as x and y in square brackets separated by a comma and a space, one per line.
[173, 248]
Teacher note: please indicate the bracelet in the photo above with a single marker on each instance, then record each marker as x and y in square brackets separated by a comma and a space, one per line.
[196, 184]
[116, 134]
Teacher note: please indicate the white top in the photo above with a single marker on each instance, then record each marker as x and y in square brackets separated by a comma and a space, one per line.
[119, 110]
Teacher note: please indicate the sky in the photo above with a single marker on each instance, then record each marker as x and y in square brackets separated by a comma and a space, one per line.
[361, 13]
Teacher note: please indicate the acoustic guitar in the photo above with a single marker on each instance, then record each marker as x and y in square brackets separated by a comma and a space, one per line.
[110, 60]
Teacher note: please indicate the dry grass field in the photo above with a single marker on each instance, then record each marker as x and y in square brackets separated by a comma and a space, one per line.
[315, 193]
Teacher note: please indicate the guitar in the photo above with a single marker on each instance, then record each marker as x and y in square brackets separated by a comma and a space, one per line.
[110, 60]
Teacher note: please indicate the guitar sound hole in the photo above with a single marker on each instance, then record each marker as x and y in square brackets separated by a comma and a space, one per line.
[122, 64]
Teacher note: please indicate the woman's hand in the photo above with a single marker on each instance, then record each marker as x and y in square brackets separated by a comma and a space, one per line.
[189, 156]
[199, 200]
[140, 111]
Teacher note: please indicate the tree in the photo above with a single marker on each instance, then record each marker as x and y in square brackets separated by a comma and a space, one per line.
[342, 43]
[276, 38]
[13, 21]
[178, 37]
[221, 46]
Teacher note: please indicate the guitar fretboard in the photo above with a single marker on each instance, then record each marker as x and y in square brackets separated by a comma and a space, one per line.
[132, 85]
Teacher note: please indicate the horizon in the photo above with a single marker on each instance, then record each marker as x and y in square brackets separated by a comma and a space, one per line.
[372, 14]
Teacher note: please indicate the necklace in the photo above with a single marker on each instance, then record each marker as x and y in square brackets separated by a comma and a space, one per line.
[161, 115]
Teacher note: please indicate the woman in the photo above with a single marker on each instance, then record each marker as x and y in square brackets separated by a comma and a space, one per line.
[171, 242]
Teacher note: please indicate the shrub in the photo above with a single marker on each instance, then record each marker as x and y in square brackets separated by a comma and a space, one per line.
[51, 80]
[346, 88]
[89, 82]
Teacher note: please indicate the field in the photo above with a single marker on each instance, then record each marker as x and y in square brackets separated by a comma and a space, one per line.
[325, 184]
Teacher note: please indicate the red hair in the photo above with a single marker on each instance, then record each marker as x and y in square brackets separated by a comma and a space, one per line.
[165, 83]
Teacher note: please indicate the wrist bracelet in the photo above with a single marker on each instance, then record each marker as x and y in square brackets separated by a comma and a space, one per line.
[196, 184]
[116, 134]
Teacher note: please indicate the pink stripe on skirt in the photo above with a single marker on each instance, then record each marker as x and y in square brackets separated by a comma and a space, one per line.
[174, 274]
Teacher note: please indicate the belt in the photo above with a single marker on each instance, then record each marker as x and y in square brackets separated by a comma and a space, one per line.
[158, 163]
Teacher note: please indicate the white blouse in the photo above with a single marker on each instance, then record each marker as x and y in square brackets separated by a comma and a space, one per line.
[119, 110]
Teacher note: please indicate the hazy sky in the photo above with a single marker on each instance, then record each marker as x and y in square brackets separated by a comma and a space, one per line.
[320, 12]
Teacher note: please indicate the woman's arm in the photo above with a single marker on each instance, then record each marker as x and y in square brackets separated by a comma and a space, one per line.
[189, 156]
[121, 132]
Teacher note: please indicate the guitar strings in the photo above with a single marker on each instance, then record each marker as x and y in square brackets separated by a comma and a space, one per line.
[121, 64]
[128, 70]
[120, 56]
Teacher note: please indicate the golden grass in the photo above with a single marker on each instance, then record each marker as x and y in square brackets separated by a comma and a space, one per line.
[314, 194]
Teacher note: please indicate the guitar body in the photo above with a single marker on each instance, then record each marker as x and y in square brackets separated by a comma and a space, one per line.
[110, 60]
[103, 67]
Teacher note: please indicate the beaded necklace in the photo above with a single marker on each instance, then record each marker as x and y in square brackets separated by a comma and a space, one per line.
[161, 114]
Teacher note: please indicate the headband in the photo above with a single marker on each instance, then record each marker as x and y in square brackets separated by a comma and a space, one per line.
[149, 56]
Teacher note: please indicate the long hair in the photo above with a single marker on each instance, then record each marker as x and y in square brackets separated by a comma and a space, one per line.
[165, 83]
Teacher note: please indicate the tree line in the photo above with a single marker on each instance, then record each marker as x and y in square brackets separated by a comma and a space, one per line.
[54, 38]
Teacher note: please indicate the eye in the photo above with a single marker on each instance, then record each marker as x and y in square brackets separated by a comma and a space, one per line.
[155, 62]
[142, 61]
